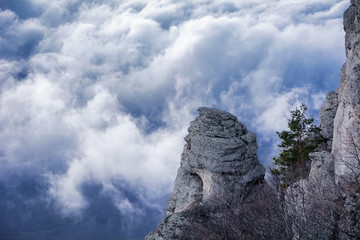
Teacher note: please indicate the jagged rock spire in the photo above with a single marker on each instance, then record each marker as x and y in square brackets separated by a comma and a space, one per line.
[219, 157]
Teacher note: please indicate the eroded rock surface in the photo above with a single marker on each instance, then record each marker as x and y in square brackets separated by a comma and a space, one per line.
[326, 205]
[311, 202]
[219, 158]
[327, 116]
[347, 119]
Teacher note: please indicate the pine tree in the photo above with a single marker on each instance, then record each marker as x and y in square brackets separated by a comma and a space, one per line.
[302, 138]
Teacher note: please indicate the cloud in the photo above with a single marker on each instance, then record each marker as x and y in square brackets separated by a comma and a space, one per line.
[102, 92]
[18, 39]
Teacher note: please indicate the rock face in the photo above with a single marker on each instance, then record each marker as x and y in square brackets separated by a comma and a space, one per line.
[327, 115]
[346, 140]
[308, 201]
[220, 157]
[347, 119]
[326, 205]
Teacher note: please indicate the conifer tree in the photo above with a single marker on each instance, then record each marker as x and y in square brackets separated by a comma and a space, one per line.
[302, 138]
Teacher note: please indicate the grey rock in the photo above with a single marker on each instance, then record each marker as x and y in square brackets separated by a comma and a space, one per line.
[169, 228]
[322, 168]
[326, 205]
[309, 201]
[350, 222]
[327, 116]
[346, 139]
[219, 158]
[219, 155]
[347, 119]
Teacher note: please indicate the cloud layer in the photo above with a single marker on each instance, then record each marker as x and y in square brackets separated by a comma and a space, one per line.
[102, 92]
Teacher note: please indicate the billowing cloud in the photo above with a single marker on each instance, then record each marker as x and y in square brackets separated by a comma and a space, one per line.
[102, 92]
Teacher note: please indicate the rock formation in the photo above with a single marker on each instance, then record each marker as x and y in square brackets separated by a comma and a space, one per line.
[219, 155]
[326, 205]
[327, 115]
[346, 139]
[219, 158]
[347, 119]
[308, 201]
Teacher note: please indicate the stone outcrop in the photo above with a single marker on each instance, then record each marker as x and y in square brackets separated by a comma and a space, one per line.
[219, 158]
[346, 140]
[308, 201]
[347, 119]
[327, 115]
[326, 205]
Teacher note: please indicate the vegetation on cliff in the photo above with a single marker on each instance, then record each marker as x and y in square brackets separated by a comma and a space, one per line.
[302, 138]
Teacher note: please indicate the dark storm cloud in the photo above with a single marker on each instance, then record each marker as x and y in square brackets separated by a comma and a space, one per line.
[18, 38]
[24, 9]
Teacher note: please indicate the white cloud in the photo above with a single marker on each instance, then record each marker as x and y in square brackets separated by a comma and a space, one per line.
[31, 120]
[109, 88]
[18, 38]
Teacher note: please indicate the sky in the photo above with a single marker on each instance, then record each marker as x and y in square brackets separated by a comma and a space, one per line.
[96, 97]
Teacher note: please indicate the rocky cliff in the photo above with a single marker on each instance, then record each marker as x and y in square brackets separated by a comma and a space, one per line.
[219, 155]
[327, 116]
[347, 119]
[219, 160]
[326, 205]
[311, 203]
